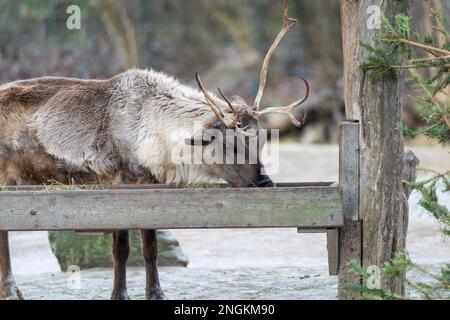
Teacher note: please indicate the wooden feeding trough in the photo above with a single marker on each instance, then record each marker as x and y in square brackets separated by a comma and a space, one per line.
[309, 207]
[294, 205]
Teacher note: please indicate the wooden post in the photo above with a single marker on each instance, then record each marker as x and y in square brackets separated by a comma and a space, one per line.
[376, 104]
[350, 235]
[333, 251]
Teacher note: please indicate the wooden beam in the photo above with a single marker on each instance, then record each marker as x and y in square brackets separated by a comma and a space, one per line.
[350, 235]
[349, 168]
[311, 230]
[333, 251]
[171, 208]
[144, 186]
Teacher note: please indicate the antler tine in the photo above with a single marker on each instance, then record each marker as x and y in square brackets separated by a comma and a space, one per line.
[235, 118]
[235, 115]
[226, 99]
[216, 109]
[241, 130]
[286, 18]
[288, 110]
[288, 25]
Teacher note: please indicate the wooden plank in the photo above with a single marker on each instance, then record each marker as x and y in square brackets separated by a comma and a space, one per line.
[350, 242]
[333, 251]
[312, 230]
[305, 184]
[171, 208]
[92, 233]
[86, 187]
[145, 186]
[349, 168]
[350, 235]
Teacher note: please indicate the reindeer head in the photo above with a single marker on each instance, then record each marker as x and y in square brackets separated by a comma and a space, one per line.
[237, 116]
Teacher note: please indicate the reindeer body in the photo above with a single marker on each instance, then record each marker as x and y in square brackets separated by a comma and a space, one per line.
[124, 129]
[117, 130]
[121, 130]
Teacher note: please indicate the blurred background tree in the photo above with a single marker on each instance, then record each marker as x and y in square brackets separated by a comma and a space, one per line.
[224, 40]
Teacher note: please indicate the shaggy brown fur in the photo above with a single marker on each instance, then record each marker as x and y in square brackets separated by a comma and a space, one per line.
[118, 130]
[24, 160]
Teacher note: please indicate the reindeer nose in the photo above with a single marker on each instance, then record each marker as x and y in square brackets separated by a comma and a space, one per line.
[262, 181]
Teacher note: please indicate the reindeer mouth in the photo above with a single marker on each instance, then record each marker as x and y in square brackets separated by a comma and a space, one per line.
[262, 181]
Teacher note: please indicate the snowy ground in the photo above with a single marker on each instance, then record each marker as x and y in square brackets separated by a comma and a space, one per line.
[236, 264]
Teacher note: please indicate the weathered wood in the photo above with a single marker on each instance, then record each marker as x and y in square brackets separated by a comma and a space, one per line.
[350, 235]
[170, 208]
[92, 233]
[350, 244]
[409, 174]
[311, 230]
[332, 246]
[410, 162]
[333, 251]
[145, 186]
[376, 104]
[349, 168]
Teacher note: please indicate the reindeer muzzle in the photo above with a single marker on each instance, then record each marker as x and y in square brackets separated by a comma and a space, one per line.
[262, 181]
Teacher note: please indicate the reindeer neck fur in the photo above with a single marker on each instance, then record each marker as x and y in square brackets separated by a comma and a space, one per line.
[167, 111]
[51, 128]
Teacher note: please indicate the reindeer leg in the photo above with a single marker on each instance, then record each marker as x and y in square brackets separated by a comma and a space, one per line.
[8, 288]
[121, 251]
[153, 290]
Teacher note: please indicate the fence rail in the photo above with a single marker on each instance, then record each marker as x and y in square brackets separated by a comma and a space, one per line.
[291, 205]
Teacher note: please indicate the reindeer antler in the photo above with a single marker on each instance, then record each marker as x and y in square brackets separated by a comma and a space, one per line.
[288, 110]
[221, 114]
[288, 25]
[231, 120]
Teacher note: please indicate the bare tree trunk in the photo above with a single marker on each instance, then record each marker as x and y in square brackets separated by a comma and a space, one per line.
[376, 104]
[233, 63]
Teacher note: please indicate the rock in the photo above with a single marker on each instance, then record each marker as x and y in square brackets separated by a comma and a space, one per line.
[93, 251]
[169, 251]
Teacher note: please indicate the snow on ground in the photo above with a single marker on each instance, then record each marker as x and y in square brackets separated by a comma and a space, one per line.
[239, 263]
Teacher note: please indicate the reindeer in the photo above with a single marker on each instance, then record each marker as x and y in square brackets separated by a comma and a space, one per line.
[120, 131]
